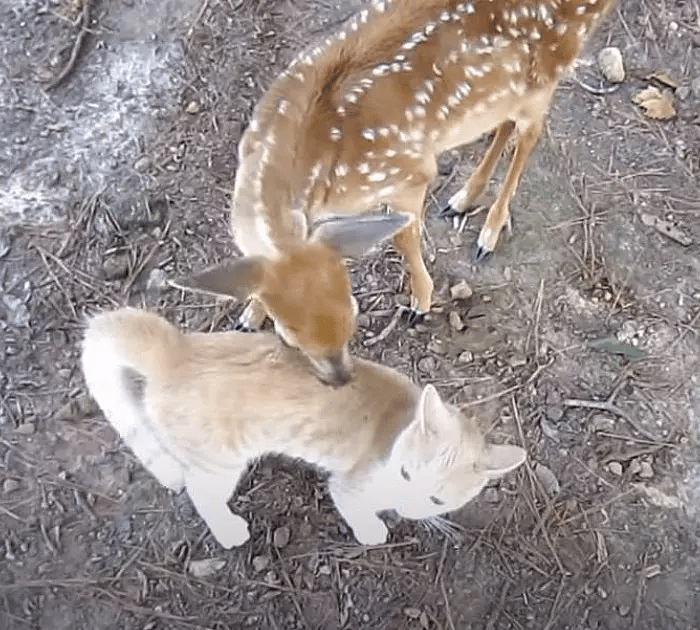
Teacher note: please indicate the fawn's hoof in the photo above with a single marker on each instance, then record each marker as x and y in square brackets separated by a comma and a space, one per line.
[413, 316]
[448, 211]
[481, 253]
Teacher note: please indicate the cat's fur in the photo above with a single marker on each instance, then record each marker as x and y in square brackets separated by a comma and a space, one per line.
[197, 408]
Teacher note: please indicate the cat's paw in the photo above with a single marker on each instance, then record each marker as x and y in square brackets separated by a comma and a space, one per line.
[370, 532]
[232, 533]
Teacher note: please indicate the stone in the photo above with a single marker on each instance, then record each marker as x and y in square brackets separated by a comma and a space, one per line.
[611, 65]
[465, 357]
[205, 568]
[10, 485]
[281, 537]
[460, 291]
[615, 468]
[260, 563]
[456, 321]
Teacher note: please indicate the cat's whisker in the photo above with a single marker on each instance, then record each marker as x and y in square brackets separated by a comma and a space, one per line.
[440, 525]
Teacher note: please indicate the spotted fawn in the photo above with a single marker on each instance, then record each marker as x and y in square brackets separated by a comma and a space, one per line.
[357, 122]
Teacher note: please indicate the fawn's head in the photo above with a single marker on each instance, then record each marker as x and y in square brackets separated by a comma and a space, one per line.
[441, 461]
[306, 288]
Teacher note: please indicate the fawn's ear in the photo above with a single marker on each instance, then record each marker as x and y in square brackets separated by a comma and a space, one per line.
[238, 278]
[352, 237]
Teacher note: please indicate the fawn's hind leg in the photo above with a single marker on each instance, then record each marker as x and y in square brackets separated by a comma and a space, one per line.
[499, 213]
[468, 195]
[210, 493]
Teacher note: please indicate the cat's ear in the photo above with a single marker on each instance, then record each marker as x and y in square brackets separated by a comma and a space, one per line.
[434, 418]
[238, 278]
[502, 458]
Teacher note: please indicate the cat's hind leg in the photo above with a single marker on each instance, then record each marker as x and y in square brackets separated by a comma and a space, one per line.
[210, 493]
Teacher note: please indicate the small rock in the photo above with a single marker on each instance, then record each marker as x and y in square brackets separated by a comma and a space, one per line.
[116, 267]
[16, 312]
[456, 321]
[205, 568]
[193, 107]
[623, 610]
[4, 244]
[683, 92]
[554, 413]
[142, 164]
[602, 422]
[157, 281]
[260, 563]
[465, 357]
[411, 613]
[281, 537]
[491, 495]
[615, 468]
[548, 479]
[86, 406]
[10, 485]
[363, 321]
[610, 62]
[460, 291]
[635, 467]
[695, 87]
[28, 428]
[437, 346]
[427, 364]
[645, 470]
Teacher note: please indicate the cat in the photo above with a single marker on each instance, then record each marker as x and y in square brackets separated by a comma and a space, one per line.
[197, 408]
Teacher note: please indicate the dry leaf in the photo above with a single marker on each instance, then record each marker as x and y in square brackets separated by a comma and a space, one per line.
[667, 228]
[655, 103]
[662, 78]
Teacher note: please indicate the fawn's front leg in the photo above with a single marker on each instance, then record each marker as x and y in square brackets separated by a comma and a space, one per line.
[407, 243]
[253, 315]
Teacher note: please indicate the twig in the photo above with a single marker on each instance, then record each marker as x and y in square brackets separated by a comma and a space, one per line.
[595, 90]
[496, 613]
[508, 390]
[386, 331]
[448, 613]
[84, 23]
[608, 405]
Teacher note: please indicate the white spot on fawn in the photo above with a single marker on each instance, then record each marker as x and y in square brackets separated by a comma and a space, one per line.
[377, 176]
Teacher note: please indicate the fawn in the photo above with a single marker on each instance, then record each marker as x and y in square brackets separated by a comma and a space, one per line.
[358, 121]
[197, 408]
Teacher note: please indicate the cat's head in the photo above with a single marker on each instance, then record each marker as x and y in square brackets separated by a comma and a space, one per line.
[441, 461]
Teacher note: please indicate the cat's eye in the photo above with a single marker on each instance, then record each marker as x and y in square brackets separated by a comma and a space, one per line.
[437, 501]
[404, 474]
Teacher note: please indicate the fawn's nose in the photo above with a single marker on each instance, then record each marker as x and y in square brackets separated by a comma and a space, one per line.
[334, 369]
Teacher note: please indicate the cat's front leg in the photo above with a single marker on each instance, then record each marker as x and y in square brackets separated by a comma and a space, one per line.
[210, 493]
[354, 507]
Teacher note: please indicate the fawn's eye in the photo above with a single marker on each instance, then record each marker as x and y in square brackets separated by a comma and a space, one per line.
[437, 501]
[404, 474]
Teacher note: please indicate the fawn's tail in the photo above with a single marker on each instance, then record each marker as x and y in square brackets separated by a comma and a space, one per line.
[124, 353]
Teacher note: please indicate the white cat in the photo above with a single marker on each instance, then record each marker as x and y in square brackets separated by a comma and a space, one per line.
[197, 408]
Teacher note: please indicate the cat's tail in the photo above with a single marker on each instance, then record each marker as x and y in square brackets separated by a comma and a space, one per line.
[126, 353]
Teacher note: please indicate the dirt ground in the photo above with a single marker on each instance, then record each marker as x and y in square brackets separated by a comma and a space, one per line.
[581, 340]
